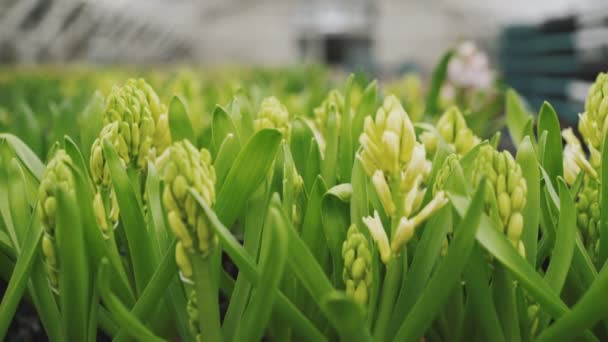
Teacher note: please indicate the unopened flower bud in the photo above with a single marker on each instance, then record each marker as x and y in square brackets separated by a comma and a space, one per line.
[357, 265]
[183, 167]
[378, 234]
[273, 114]
[57, 175]
[384, 192]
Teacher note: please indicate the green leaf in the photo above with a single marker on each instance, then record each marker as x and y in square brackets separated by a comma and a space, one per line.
[284, 308]
[477, 279]
[437, 81]
[301, 139]
[254, 223]
[249, 169]
[122, 316]
[313, 165]
[347, 316]
[272, 263]
[162, 241]
[517, 116]
[156, 288]
[224, 159]
[179, 121]
[312, 226]
[241, 112]
[426, 255]
[447, 275]
[91, 122]
[21, 274]
[74, 274]
[495, 242]
[95, 242]
[133, 222]
[329, 166]
[359, 204]
[552, 158]
[336, 219]
[74, 152]
[561, 258]
[526, 158]
[25, 155]
[585, 314]
[603, 224]
[345, 155]
[367, 106]
[222, 125]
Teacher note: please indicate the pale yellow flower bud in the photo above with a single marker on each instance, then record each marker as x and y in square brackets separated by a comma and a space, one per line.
[57, 175]
[384, 192]
[376, 230]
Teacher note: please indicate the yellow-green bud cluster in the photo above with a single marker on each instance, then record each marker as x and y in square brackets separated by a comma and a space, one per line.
[57, 175]
[588, 215]
[182, 167]
[389, 140]
[132, 114]
[136, 124]
[506, 187]
[334, 102]
[449, 164]
[357, 274]
[398, 167]
[593, 123]
[453, 129]
[273, 114]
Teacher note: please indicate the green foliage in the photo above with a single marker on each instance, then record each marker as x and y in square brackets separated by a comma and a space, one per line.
[342, 215]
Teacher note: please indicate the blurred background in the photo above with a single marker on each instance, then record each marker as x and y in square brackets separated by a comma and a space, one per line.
[545, 49]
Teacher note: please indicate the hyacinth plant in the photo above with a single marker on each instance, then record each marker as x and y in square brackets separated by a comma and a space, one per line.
[350, 220]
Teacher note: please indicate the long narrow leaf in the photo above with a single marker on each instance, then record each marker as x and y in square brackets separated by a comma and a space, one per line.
[446, 276]
[248, 171]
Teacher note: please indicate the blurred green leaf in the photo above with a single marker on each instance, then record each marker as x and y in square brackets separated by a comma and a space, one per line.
[179, 121]
[517, 116]
[247, 172]
[437, 81]
[552, 157]
[74, 279]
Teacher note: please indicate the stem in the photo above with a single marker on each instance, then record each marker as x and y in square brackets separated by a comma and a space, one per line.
[394, 270]
[390, 289]
[207, 298]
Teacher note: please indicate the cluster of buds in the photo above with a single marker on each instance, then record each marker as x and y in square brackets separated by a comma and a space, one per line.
[449, 164]
[593, 123]
[398, 167]
[183, 167]
[273, 114]
[588, 215]
[357, 274]
[57, 175]
[334, 102]
[506, 187]
[593, 126]
[453, 129]
[136, 124]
